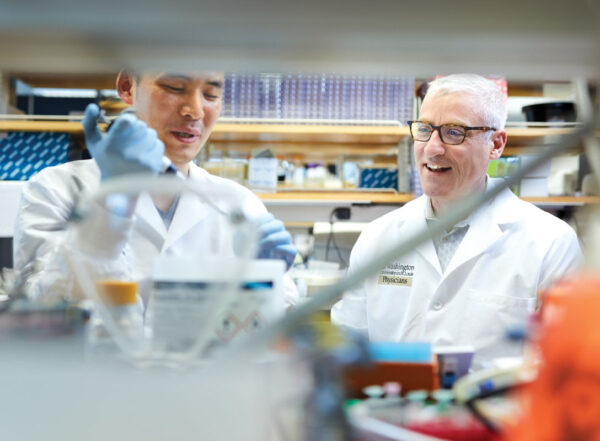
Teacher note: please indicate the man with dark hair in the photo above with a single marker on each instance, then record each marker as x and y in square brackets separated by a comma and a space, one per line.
[174, 116]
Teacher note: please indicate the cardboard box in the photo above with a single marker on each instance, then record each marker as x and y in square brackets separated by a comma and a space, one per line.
[412, 376]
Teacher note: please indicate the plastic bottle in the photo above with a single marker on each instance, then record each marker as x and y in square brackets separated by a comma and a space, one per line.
[298, 172]
[125, 314]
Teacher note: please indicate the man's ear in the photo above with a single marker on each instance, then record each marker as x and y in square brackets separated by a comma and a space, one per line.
[498, 144]
[126, 86]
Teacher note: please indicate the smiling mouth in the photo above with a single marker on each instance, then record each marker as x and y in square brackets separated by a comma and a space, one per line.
[184, 135]
[436, 168]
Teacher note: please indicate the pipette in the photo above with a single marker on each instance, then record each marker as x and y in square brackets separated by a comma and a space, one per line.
[167, 165]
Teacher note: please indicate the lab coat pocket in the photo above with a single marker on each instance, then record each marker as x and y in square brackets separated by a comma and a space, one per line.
[389, 310]
[488, 316]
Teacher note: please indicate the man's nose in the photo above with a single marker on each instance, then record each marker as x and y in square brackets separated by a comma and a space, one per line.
[435, 146]
[193, 107]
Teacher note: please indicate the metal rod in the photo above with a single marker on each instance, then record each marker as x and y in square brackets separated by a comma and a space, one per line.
[585, 111]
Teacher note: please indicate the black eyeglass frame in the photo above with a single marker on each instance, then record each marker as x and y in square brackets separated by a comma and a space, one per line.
[439, 130]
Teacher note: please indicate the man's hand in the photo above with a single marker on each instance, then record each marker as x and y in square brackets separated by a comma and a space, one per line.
[130, 146]
[275, 242]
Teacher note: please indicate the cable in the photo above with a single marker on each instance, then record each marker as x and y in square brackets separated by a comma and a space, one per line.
[331, 238]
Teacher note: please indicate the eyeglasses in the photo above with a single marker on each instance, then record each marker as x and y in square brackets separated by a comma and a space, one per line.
[451, 134]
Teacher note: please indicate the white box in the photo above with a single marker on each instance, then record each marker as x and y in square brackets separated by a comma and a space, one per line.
[262, 173]
[542, 171]
[534, 187]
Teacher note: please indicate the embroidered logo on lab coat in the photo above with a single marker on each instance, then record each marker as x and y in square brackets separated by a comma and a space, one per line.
[396, 274]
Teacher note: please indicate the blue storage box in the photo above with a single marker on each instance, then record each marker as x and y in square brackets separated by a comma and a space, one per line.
[378, 177]
[23, 154]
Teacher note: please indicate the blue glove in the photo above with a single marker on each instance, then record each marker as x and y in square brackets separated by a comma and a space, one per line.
[130, 146]
[275, 242]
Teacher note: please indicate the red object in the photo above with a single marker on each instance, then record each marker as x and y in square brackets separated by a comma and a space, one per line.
[446, 429]
[563, 403]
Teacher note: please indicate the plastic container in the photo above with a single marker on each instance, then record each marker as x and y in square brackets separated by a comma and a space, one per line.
[203, 304]
[562, 111]
[120, 318]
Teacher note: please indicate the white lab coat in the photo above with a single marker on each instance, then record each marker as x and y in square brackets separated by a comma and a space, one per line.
[43, 241]
[511, 250]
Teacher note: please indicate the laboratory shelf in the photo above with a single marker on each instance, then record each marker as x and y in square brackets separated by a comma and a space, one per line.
[308, 133]
[367, 197]
[563, 200]
[355, 197]
[236, 132]
[73, 127]
[246, 136]
[532, 140]
[326, 140]
[301, 208]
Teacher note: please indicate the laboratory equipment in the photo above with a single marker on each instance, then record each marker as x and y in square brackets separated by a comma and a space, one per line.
[127, 313]
[419, 416]
[129, 146]
[410, 363]
[90, 264]
[166, 165]
[183, 319]
[453, 363]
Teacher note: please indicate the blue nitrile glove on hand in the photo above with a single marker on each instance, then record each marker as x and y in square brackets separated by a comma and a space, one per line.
[130, 146]
[275, 242]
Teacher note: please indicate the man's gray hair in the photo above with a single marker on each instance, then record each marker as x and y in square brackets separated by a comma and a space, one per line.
[488, 94]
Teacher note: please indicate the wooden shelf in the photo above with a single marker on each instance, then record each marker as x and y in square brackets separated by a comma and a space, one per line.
[41, 126]
[531, 140]
[563, 200]
[324, 140]
[359, 197]
[291, 134]
[287, 133]
[320, 150]
[319, 142]
[402, 198]
[524, 135]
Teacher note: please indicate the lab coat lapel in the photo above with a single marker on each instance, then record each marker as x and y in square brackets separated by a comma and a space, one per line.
[416, 225]
[485, 227]
[190, 210]
[148, 217]
[482, 233]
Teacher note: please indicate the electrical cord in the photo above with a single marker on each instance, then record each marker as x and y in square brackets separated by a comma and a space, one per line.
[331, 238]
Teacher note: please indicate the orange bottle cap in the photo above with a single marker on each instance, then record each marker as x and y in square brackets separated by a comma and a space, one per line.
[117, 292]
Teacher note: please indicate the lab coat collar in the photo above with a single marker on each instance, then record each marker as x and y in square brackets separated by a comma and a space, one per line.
[508, 207]
[430, 214]
[147, 213]
[416, 223]
[190, 210]
[486, 226]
